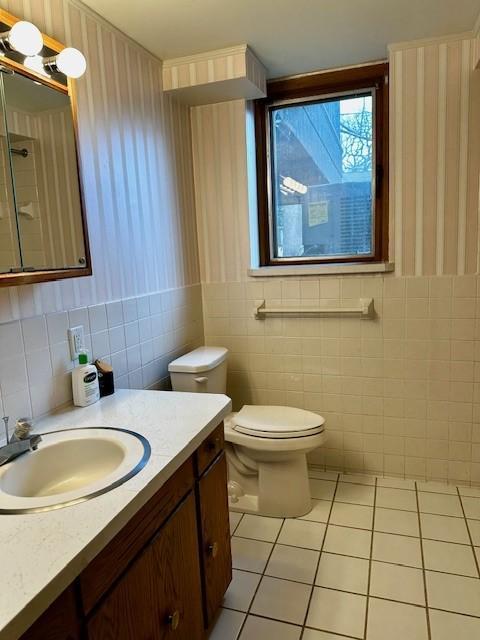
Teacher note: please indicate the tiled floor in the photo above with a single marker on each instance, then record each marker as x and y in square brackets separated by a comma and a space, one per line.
[376, 559]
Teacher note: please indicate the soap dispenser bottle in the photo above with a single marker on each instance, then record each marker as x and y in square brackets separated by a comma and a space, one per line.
[85, 383]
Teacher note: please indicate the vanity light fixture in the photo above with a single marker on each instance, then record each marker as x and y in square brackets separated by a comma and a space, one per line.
[23, 37]
[35, 63]
[69, 61]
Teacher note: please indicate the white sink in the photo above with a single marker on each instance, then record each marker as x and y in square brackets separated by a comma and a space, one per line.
[71, 466]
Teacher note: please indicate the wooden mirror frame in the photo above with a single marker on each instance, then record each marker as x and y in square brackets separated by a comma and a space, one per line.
[48, 275]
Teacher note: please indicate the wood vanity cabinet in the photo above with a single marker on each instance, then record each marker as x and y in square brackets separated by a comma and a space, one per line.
[165, 573]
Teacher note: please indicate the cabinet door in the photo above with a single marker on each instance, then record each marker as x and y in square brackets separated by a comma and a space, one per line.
[215, 536]
[159, 597]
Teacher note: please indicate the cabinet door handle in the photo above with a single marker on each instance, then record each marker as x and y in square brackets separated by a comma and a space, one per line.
[173, 620]
[213, 549]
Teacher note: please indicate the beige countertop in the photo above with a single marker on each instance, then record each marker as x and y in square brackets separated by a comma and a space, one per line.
[42, 553]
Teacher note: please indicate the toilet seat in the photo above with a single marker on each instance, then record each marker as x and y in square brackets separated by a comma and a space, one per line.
[275, 422]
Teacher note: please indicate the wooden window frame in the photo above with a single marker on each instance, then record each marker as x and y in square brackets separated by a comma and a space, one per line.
[316, 86]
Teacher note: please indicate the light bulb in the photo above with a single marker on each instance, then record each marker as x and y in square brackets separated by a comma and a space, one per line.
[71, 62]
[25, 38]
[35, 63]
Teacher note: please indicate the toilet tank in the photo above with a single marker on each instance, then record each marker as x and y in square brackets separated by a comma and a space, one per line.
[203, 370]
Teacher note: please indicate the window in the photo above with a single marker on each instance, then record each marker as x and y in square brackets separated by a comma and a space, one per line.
[322, 158]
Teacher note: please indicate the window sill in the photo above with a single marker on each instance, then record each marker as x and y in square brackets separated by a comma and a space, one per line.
[321, 269]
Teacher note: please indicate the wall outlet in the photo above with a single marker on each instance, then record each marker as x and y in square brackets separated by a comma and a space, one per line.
[76, 340]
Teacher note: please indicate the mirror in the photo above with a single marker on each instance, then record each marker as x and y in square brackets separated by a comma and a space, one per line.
[44, 229]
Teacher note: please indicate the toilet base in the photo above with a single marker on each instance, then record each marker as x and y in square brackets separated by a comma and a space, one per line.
[279, 489]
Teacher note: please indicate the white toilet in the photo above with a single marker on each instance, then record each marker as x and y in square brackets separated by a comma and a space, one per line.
[266, 445]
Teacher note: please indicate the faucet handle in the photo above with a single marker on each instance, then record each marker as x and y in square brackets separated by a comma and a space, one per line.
[23, 427]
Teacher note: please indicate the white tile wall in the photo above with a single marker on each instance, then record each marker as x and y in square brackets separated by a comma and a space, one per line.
[400, 393]
[35, 360]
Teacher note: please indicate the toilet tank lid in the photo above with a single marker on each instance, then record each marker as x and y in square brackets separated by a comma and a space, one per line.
[198, 360]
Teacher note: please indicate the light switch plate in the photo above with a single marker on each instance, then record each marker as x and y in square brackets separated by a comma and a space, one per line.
[76, 340]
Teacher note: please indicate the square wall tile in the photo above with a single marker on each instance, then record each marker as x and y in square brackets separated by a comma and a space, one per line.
[34, 333]
[57, 325]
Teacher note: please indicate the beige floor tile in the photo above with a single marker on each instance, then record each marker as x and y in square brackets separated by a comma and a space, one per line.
[234, 520]
[397, 549]
[281, 599]
[393, 521]
[395, 621]
[313, 634]
[396, 499]
[474, 492]
[348, 542]
[437, 487]
[293, 563]
[445, 626]
[250, 555]
[227, 626]
[453, 593]
[337, 611]
[395, 582]
[477, 553]
[439, 504]
[396, 483]
[322, 475]
[449, 557]
[241, 590]
[471, 507]
[259, 628]
[320, 511]
[343, 573]
[322, 489]
[302, 533]
[351, 515]
[474, 527]
[355, 493]
[444, 528]
[259, 528]
[355, 478]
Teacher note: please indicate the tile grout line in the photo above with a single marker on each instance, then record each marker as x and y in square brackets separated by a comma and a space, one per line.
[262, 575]
[472, 546]
[370, 561]
[319, 559]
[424, 575]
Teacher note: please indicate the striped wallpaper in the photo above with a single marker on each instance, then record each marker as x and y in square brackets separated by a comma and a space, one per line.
[435, 159]
[136, 163]
[435, 137]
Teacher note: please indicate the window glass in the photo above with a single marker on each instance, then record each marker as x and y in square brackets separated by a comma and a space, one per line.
[321, 175]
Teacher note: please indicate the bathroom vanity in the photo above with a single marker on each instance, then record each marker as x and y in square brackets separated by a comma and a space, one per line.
[158, 561]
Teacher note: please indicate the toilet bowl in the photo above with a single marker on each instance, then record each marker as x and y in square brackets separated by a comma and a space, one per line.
[266, 446]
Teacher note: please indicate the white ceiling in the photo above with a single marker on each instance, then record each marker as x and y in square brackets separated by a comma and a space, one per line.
[289, 36]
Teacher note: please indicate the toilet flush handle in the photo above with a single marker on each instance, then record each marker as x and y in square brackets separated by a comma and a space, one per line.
[201, 379]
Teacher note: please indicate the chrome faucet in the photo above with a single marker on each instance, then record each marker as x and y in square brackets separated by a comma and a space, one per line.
[20, 442]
